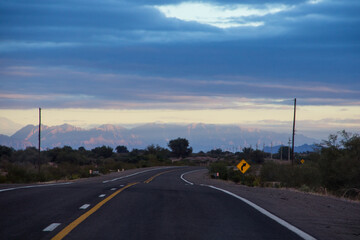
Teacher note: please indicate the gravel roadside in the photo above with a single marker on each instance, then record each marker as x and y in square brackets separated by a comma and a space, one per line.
[323, 217]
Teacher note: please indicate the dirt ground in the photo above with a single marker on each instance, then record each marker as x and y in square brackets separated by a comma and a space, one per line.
[323, 217]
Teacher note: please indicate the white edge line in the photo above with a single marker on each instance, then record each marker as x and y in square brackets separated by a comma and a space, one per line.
[188, 182]
[34, 186]
[51, 227]
[268, 214]
[133, 174]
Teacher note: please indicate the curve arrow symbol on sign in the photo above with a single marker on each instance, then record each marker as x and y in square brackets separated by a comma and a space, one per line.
[242, 167]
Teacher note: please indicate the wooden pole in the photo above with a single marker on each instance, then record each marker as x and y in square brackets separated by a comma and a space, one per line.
[293, 135]
[39, 161]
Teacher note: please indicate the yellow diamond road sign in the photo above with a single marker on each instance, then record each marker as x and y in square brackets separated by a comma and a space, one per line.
[302, 161]
[243, 166]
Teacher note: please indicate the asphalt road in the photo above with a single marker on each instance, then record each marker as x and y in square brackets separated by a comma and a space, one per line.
[154, 204]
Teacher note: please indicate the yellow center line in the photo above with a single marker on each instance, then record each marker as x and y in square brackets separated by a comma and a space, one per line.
[152, 178]
[79, 220]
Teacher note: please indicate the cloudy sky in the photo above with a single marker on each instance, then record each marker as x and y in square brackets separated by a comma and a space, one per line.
[134, 61]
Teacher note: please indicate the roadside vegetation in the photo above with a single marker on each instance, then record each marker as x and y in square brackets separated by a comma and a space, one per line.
[65, 163]
[333, 169]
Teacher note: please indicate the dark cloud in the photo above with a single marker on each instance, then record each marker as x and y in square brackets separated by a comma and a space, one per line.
[120, 50]
[220, 2]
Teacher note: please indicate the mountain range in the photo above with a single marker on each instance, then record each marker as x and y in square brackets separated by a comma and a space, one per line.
[202, 137]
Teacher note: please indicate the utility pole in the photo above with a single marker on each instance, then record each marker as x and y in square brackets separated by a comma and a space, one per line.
[293, 135]
[271, 150]
[281, 149]
[289, 150]
[39, 161]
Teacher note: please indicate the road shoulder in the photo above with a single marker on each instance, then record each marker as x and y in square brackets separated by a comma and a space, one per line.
[321, 216]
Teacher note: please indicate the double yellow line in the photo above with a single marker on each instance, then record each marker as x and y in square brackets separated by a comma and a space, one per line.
[152, 178]
[80, 219]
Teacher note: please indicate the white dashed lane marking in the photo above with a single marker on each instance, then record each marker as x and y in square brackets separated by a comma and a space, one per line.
[85, 206]
[51, 227]
[102, 195]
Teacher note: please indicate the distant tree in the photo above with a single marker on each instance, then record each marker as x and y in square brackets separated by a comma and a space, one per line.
[156, 152]
[258, 156]
[284, 150]
[104, 151]
[135, 156]
[215, 152]
[180, 147]
[64, 154]
[81, 149]
[151, 149]
[247, 152]
[121, 149]
[6, 151]
[67, 149]
[201, 153]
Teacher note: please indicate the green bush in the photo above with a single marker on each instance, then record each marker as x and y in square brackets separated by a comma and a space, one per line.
[340, 161]
[219, 167]
[234, 176]
[291, 176]
[2, 179]
[17, 173]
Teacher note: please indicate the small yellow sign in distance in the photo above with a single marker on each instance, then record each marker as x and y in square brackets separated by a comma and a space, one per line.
[243, 166]
[302, 161]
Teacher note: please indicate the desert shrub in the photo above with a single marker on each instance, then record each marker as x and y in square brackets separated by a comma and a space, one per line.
[20, 173]
[248, 180]
[257, 156]
[219, 167]
[339, 161]
[2, 179]
[291, 176]
[234, 176]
